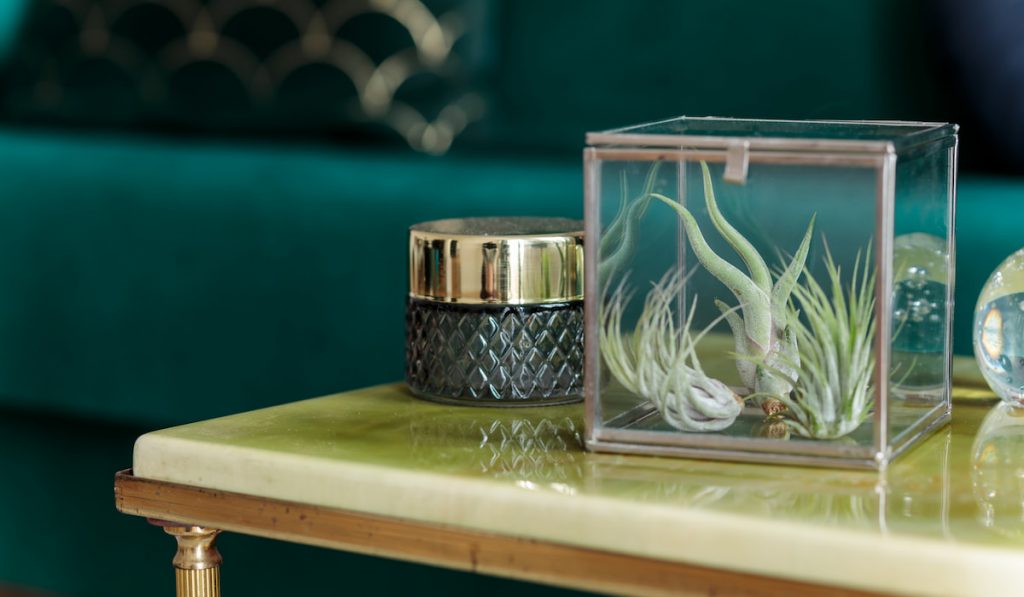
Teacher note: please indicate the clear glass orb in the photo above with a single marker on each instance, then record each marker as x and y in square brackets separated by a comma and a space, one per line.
[920, 269]
[999, 330]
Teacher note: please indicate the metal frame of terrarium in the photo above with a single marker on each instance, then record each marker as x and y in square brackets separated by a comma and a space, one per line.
[737, 153]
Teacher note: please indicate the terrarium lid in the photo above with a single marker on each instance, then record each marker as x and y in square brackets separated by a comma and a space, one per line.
[841, 136]
[508, 260]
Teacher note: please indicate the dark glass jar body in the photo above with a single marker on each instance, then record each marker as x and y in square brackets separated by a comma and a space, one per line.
[495, 354]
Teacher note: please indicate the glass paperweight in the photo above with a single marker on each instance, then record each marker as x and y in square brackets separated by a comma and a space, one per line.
[999, 330]
[919, 315]
[769, 291]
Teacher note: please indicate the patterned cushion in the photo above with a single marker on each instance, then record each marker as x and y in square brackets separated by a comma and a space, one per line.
[367, 68]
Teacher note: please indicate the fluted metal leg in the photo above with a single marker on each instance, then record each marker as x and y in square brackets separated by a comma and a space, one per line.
[197, 563]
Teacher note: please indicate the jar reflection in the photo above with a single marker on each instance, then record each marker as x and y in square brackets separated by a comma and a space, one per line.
[530, 450]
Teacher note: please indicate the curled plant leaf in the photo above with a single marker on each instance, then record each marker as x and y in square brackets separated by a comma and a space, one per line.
[659, 361]
[764, 340]
[619, 239]
[833, 394]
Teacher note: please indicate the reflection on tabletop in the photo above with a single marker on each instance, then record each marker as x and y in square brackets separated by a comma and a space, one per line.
[963, 483]
[997, 471]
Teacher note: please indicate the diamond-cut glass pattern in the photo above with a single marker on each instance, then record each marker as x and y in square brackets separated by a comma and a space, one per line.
[495, 353]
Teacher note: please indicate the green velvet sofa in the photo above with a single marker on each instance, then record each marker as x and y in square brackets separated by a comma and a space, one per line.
[153, 275]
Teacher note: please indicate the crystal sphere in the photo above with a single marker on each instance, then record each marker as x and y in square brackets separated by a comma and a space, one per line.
[999, 330]
[920, 269]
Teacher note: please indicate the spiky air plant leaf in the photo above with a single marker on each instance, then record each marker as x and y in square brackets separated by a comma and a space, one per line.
[659, 360]
[833, 394]
[618, 241]
[762, 330]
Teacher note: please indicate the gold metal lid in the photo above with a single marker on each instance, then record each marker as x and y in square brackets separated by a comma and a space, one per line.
[497, 260]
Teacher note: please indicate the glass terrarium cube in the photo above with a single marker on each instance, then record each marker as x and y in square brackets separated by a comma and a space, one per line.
[769, 291]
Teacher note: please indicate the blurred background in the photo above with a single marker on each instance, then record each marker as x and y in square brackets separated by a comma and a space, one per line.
[204, 204]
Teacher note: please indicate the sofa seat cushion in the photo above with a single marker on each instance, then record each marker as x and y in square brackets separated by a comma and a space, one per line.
[165, 281]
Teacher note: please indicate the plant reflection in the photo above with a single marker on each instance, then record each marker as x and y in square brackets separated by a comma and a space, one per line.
[545, 453]
[913, 495]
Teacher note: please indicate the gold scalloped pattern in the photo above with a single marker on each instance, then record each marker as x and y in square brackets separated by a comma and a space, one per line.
[376, 81]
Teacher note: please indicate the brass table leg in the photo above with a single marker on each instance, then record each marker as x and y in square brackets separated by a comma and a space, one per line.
[197, 563]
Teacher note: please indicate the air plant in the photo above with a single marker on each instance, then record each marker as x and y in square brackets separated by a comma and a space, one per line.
[832, 394]
[618, 241]
[659, 361]
[766, 346]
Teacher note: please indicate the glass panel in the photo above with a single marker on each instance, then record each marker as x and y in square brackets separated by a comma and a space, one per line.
[701, 339]
[920, 289]
[725, 127]
[638, 245]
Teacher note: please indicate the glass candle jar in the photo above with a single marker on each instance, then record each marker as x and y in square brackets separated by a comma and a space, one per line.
[495, 311]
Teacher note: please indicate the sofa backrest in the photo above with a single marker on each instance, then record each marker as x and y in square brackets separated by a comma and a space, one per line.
[568, 67]
[521, 74]
[363, 70]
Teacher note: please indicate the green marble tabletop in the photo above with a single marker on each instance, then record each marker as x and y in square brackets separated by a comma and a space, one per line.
[946, 518]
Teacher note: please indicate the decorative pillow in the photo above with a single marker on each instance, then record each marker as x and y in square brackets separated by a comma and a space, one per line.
[367, 68]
